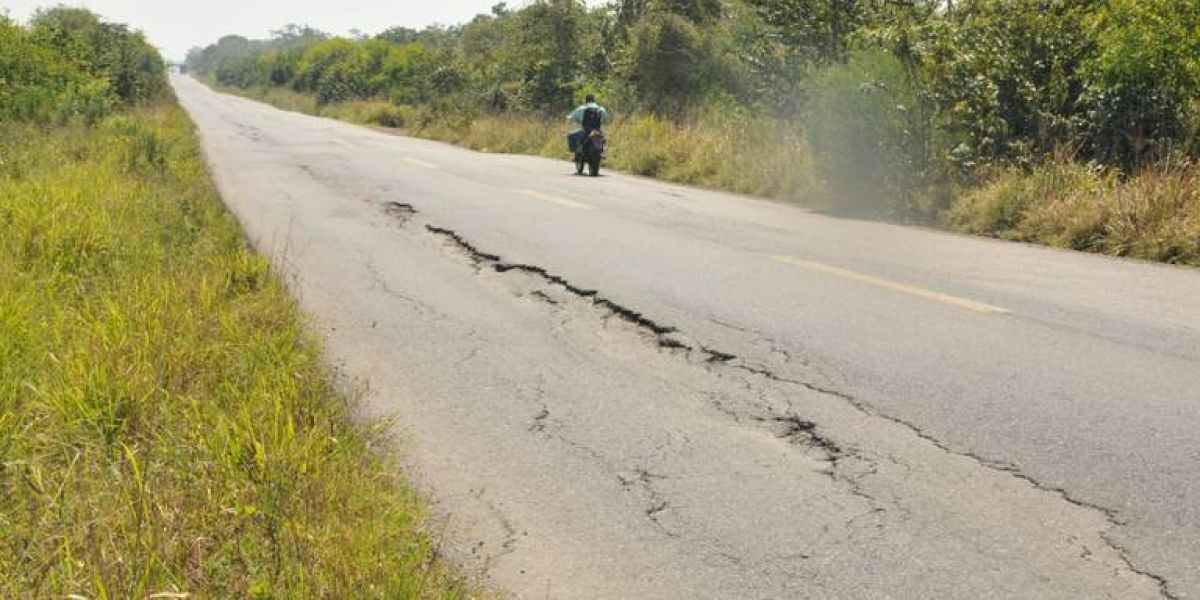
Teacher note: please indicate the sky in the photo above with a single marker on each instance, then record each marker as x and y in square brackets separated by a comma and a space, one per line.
[177, 25]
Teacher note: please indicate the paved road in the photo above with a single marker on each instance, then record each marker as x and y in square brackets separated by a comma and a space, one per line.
[616, 387]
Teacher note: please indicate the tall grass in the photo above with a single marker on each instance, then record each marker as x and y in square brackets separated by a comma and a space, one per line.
[752, 155]
[166, 425]
[1154, 215]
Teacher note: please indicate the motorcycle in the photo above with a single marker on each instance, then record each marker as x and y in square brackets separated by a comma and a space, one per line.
[590, 152]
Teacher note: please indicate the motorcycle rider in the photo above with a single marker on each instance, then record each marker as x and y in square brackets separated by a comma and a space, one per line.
[590, 116]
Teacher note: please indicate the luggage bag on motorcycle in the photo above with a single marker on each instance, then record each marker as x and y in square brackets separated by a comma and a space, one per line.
[574, 139]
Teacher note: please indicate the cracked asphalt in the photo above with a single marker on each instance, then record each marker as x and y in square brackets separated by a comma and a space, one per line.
[620, 388]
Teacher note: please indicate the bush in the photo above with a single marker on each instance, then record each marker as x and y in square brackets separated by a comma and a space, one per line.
[240, 71]
[366, 112]
[135, 71]
[869, 129]
[1140, 83]
[335, 70]
[68, 64]
[1002, 78]
[36, 84]
[664, 62]
[386, 115]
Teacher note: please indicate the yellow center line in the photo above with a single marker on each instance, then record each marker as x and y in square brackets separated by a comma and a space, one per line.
[420, 163]
[555, 200]
[892, 285]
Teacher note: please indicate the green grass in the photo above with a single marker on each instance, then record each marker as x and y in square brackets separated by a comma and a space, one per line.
[1154, 215]
[166, 423]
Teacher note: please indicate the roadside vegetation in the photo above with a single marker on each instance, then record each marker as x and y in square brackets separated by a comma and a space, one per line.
[1154, 215]
[167, 428]
[924, 110]
[722, 151]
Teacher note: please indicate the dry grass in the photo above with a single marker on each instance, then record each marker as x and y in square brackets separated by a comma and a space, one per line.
[741, 154]
[1154, 215]
[166, 425]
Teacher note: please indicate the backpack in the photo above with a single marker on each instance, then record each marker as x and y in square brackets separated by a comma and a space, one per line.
[591, 118]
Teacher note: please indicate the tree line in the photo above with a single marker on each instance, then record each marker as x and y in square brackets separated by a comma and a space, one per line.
[900, 98]
[67, 63]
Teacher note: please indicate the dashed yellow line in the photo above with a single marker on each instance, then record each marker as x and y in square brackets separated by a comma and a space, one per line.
[892, 285]
[420, 163]
[555, 200]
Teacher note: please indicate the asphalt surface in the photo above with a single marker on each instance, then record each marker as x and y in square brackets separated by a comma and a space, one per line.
[616, 387]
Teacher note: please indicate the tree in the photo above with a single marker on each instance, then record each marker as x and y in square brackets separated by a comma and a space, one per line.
[1139, 83]
[292, 36]
[664, 61]
[69, 64]
[553, 46]
[815, 30]
[133, 68]
[335, 70]
[869, 131]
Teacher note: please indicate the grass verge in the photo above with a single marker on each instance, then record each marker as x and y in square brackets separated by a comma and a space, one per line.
[1154, 215]
[166, 424]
